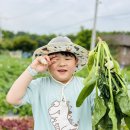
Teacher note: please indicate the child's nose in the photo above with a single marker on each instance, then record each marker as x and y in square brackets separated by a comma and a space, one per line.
[62, 63]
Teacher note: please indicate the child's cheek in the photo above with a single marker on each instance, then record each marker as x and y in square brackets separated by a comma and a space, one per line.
[72, 69]
[53, 62]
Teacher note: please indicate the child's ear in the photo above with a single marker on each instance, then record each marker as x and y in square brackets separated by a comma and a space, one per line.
[76, 61]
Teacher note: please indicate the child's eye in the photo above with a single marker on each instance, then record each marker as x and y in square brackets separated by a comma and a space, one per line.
[68, 59]
[55, 59]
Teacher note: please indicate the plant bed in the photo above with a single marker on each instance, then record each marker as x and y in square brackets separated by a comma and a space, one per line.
[16, 123]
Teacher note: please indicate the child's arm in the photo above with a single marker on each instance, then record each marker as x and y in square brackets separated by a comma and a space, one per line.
[18, 89]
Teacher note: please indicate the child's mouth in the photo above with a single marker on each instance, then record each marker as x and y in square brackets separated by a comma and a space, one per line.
[62, 70]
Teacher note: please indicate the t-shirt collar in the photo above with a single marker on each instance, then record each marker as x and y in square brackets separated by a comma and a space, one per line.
[64, 84]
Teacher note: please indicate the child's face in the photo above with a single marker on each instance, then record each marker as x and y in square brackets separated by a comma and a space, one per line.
[62, 67]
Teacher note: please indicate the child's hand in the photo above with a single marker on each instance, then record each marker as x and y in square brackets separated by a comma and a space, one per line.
[41, 63]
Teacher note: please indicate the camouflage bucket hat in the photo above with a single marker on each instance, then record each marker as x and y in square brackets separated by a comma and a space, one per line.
[61, 43]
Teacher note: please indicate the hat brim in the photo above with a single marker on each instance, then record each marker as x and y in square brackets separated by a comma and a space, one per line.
[80, 52]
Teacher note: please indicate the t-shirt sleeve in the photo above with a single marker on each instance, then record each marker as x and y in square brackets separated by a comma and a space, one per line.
[30, 92]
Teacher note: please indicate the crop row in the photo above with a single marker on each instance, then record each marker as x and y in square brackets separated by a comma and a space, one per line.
[17, 124]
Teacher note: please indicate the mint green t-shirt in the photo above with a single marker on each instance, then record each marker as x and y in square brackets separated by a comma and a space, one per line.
[54, 104]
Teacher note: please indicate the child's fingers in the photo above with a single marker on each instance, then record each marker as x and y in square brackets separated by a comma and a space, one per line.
[44, 60]
[52, 59]
[47, 58]
[52, 56]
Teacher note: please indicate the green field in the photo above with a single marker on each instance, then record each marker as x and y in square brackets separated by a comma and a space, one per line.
[10, 69]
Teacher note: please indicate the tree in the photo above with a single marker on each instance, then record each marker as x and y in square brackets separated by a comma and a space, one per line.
[24, 43]
[72, 37]
[7, 34]
[44, 39]
[84, 38]
[6, 44]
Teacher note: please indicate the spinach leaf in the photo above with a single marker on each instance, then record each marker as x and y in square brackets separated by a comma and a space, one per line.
[106, 123]
[92, 55]
[119, 114]
[124, 102]
[116, 67]
[127, 121]
[86, 91]
[102, 84]
[90, 75]
[112, 115]
[99, 109]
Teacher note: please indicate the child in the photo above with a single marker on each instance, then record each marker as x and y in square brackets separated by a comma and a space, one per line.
[53, 98]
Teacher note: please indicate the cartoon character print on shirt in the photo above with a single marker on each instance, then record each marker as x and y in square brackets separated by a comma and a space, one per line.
[61, 117]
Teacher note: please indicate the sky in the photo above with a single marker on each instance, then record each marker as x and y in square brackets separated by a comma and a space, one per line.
[63, 16]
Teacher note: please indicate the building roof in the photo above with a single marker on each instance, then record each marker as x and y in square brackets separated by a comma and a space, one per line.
[117, 39]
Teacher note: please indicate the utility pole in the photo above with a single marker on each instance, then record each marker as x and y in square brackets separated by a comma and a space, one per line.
[0, 34]
[0, 29]
[93, 39]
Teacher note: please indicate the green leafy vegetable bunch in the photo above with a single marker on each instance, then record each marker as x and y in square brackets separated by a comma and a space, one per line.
[112, 103]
